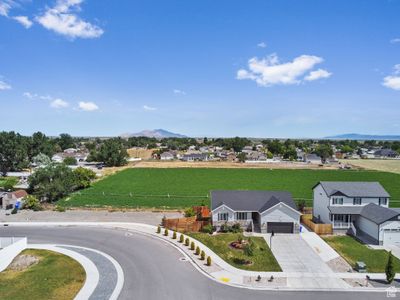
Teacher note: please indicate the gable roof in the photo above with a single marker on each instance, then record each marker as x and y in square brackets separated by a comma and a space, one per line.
[18, 194]
[354, 189]
[259, 201]
[378, 214]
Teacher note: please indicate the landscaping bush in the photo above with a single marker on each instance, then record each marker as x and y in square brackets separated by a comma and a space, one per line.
[197, 250]
[240, 238]
[236, 228]
[389, 270]
[59, 208]
[181, 238]
[187, 242]
[14, 211]
[192, 245]
[158, 229]
[189, 212]
[166, 232]
[208, 229]
[174, 235]
[208, 261]
[202, 255]
[31, 202]
[249, 248]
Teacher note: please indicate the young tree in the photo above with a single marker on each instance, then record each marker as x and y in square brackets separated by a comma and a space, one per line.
[192, 245]
[208, 260]
[389, 270]
[13, 152]
[65, 141]
[112, 152]
[174, 235]
[181, 238]
[202, 255]
[70, 161]
[84, 177]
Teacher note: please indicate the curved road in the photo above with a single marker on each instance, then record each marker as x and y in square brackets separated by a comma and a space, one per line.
[153, 270]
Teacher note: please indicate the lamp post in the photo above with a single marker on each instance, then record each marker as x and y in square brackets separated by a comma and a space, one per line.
[270, 239]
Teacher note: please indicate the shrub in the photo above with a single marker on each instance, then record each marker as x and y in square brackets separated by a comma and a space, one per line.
[181, 238]
[192, 245]
[187, 242]
[202, 255]
[240, 238]
[166, 232]
[59, 208]
[389, 270]
[197, 250]
[158, 229]
[208, 229]
[31, 202]
[189, 212]
[14, 211]
[208, 260]
[70, 161]
[249, 248]
[174, 235]
[236, 228]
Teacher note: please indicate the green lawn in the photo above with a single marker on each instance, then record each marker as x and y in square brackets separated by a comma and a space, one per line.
[54, 277]
[263, 259]
[353, 251]
[178, 188]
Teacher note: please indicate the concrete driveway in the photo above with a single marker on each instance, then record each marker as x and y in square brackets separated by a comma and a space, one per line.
[295, 255]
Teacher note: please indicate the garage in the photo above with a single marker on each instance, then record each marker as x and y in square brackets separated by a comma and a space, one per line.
[280, 227]
[391, 237]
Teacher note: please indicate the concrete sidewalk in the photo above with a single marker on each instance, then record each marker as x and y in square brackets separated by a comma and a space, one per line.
[221, 271]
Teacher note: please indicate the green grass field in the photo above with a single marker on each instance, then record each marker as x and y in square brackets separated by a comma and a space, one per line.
[54, 277]
[263, 259]
[178, 188]
[353, 251]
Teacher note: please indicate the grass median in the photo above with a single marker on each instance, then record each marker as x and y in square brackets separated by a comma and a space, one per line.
[261, 260]
[53, 277]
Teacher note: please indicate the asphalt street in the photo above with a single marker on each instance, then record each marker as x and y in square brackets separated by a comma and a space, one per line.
[153, 270]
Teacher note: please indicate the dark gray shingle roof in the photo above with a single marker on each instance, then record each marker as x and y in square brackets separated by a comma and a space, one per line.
[354, 189]
[351, 210]
[378, 214]
[251, 200]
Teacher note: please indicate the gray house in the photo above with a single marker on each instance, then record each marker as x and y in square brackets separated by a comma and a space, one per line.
[362, 208]
[259, 211]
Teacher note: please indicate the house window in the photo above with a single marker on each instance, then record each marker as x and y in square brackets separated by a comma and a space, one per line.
[337, 201]
[357, 201]
[241, 216]
[382, 201]
[223, 217]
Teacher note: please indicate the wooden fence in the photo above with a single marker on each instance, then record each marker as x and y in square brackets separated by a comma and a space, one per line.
[317, 228]
[184, 224]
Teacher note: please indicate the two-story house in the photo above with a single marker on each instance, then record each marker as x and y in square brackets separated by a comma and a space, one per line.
[361, 207]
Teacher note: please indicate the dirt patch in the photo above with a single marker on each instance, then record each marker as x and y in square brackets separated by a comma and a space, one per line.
[23, 262]
[225, 164]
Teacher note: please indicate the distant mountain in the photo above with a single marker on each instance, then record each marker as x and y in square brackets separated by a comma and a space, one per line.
[363, 137]
[156, 133]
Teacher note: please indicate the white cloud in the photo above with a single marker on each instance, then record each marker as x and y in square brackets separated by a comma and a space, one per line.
[62, 19]
[30, 95]
[395, 40]
[393, 81]
[5, 7]
[24, 21]
[88, 106]
[262, 45]
[4, 86]
[179, 92]
[149, 108]
[269, 71]
[318, 74]
[59, 103]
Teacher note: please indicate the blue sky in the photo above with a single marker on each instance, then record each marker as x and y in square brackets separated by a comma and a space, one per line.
[216, 68]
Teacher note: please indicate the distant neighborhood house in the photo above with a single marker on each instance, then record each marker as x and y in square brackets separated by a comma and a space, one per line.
[10, 199]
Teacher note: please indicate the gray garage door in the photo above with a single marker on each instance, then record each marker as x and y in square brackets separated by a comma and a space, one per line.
[280, 227]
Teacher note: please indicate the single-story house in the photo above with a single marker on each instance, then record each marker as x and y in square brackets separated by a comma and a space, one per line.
[258, 211]
[389, 153]
[195, 157]
[8, 200]
[167, 156]
[312, 159]
[361, 208]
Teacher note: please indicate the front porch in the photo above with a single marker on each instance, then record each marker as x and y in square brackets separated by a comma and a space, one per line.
[341, 221]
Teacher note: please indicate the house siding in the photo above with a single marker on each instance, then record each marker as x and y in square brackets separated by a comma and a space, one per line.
[280, 213]
[320, 204]
[368, 227]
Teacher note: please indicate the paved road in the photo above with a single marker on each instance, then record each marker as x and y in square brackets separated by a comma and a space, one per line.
[153, 271]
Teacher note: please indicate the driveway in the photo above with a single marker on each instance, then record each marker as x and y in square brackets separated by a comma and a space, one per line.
[295, 255]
